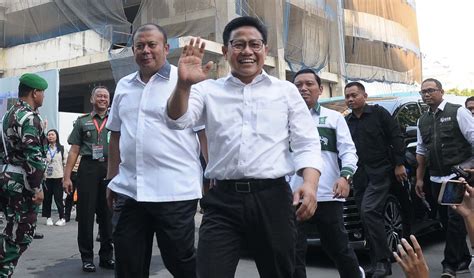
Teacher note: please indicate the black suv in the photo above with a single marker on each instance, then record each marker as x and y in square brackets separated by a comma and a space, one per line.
[405, 213]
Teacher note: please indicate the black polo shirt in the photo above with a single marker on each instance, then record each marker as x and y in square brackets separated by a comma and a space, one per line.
[377, 137]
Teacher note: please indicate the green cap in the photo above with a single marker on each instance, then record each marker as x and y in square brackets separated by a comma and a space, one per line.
[34, 81]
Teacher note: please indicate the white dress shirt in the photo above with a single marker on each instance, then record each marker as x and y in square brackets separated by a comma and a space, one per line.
[336, 144]
[157, 164]
[250, 127]
[466, 126]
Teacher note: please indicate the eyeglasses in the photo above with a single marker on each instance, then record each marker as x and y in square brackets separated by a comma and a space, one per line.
[239, 45]
[428, 91]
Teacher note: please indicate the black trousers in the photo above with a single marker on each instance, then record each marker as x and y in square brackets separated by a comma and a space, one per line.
[91, 200]
[371, 188]
[334, 240]
[135, 223]
[263, 221]
[54, 187]
[455, 250]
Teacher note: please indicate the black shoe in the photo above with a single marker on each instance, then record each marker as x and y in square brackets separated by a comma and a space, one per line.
[88, 267]
[448, 272]
[463, 267]
[382, 269]
[38, 236]
[107, 264]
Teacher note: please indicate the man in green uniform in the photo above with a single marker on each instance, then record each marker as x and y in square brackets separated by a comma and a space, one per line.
[23, 162]
[89, 138]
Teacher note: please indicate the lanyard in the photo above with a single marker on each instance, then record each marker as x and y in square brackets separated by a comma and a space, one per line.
[52, 154]
[99, 129]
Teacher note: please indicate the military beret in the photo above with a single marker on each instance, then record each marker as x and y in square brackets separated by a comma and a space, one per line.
[34, 81]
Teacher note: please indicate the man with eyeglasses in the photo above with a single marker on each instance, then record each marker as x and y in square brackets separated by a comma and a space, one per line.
[251, 121]
[445, 136]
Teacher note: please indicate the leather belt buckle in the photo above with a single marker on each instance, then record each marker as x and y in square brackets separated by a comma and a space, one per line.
[242, 187]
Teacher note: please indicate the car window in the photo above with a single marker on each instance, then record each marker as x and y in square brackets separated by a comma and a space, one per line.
[424, 107]
[408, 115]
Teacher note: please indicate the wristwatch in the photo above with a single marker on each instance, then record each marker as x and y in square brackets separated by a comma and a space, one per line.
[348, 179]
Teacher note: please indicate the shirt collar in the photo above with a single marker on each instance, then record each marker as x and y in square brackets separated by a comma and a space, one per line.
[93, 114]
[317, 108]
[259, 78]
[441, 105]
[367, 109]
[164, 72]
[25, 104]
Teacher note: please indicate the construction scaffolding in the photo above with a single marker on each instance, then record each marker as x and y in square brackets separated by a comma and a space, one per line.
[369, 40]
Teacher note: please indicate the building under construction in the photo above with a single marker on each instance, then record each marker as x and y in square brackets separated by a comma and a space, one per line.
[89, 40]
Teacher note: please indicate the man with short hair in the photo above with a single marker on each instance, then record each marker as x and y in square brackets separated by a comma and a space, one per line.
[90, 139]
[251, 121]
[23, 159]
[470, 104]
[445, 139]
[156, 173]
[334, 183]
[381, 153]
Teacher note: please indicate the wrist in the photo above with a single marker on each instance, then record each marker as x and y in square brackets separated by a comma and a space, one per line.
[347, 177]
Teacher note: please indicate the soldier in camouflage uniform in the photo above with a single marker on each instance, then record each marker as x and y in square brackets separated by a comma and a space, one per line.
[22, 158]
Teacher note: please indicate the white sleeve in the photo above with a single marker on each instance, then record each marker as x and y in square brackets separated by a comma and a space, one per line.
[193, 115]
[113, 121]
[346, 148]
[420, 146]
[466, 124]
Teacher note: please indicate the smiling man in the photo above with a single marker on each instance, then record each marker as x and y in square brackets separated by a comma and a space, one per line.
[155, 171]
[446, 136]
[89, 138]
[251, 121]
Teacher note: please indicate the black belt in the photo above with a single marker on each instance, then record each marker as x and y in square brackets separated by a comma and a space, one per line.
[249, 185]
[89, 157]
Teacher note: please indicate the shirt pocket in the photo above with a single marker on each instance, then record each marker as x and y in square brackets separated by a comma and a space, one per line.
[272, 119]
[87, 131]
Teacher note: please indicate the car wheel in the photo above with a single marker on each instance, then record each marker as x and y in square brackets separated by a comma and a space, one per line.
[393, 221]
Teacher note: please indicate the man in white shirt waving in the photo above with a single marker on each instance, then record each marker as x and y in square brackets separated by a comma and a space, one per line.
[251, 121]
[334, 184]
[156, 171]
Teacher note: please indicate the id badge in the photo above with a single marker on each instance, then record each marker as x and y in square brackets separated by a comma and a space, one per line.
[97, 151]
[49, 170]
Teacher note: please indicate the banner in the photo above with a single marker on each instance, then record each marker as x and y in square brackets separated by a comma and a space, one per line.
[50, 108]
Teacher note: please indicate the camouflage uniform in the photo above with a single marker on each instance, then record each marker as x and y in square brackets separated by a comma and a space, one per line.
[20, 177]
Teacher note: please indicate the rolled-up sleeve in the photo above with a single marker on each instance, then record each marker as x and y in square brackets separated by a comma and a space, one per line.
[304, 136]
[193, 115]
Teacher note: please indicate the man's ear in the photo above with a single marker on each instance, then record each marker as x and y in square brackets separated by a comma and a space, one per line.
[224, 51]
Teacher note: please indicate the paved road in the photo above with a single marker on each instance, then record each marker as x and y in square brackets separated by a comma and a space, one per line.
[57, 256]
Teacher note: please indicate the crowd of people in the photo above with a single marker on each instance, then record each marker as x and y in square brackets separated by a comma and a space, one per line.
[140, 173]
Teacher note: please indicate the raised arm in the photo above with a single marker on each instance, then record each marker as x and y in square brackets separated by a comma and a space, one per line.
[190, 71]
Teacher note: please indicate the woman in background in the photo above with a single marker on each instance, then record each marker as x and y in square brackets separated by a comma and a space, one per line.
[54, 178]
